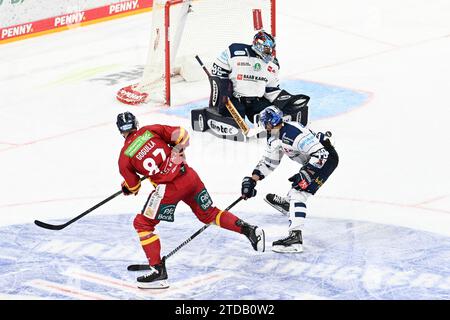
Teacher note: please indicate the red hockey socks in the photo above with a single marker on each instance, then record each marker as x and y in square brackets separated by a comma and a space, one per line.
[149, 241]
[152, 246]
[227, 220]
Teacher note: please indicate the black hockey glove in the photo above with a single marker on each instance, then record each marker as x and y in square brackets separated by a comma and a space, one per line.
[301, 181]
[125, 189]
[248, 188]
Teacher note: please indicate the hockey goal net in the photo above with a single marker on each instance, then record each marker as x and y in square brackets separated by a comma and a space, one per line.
[182, 29]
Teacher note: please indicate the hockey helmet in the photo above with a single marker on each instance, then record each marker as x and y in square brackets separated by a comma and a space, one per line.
[270, 115]
[126, 122]
[264, 45]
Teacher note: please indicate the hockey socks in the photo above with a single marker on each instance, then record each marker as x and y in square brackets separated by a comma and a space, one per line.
[227, 220]
[152, 246]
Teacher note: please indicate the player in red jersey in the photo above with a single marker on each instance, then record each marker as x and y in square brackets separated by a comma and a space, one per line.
[157, 152]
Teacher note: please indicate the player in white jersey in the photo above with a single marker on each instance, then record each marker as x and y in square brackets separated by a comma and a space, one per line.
[248, 76]
[313, 152]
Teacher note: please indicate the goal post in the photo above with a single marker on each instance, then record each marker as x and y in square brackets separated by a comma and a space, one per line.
[181, 29]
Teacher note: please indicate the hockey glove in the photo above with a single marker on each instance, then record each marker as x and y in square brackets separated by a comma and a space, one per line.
[248, 188]
[301, 181]
[125, 189]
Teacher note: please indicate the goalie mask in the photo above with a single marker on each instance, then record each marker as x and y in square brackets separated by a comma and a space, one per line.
[264, 46]
[126, 122]
[270, 115]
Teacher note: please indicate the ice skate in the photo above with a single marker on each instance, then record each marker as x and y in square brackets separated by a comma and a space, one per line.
[156, 279]
[254, 234]
[291, 244]
[279, 203]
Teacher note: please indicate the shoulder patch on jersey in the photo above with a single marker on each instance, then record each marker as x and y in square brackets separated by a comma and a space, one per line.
[288, 133]
[138, 143]
[223, 57]
[241, 49]
[309, 139]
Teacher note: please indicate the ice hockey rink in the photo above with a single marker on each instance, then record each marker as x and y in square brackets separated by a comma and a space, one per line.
[378, 76]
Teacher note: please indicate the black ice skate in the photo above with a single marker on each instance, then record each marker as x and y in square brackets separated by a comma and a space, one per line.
[279, 203]
[254, 234]
[291, 244]
[157, 279]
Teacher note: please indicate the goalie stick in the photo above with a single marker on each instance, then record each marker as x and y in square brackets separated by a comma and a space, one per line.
[141, 267]
[248, 132]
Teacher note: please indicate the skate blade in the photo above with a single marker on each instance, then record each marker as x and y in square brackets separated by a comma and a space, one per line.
[280, 209]
[291, 249]
[162, 284]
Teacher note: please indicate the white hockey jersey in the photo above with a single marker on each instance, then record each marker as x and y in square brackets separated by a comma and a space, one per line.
[250, 75]
[299, 143]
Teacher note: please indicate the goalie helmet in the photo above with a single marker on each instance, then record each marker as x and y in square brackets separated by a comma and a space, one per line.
[126, 122]
[270, 115]
[264, 45]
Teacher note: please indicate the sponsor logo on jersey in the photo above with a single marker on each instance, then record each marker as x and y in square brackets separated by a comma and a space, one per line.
[222, 128]
[303, 184]
[138, 143]
[239, 53]
[270, 69]
[166, 212]
[319, 181]
[250, 77]
[285, 139]
[204, 199]
[257, 66]
[244, 64]
[306, 141]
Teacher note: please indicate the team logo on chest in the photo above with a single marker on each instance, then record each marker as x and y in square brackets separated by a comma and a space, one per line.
[257, 66]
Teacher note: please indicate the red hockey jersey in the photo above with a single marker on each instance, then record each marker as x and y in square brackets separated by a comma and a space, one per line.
[148, 152]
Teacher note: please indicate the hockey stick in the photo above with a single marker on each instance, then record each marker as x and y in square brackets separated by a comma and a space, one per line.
[62, 226]
[141, 267]
[248, 132]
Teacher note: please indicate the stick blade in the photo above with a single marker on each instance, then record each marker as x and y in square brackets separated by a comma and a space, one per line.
[138, 267]
[49, 226]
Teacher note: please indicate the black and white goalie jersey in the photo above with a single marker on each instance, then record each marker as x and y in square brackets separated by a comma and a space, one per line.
[250, 75]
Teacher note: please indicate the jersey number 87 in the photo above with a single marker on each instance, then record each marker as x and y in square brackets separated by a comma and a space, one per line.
[149, 164]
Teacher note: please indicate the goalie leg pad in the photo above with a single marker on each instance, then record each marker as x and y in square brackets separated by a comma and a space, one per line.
[208, 119]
